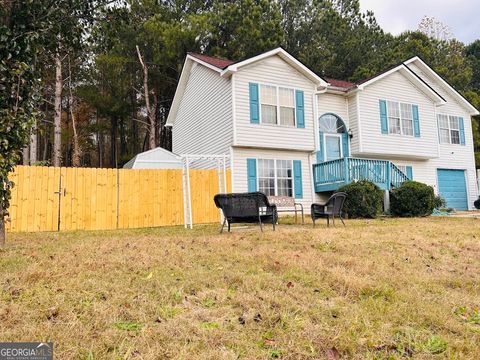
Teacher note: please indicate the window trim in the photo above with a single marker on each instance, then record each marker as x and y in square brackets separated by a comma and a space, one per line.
[276, 175]
[449, 129]
[277, 105]
[401, 118]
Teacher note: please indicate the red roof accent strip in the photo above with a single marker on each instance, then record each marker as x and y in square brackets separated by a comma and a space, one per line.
[217, 62]
[340, 83]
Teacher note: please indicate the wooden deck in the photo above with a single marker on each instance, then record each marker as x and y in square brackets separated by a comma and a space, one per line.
[330, 175]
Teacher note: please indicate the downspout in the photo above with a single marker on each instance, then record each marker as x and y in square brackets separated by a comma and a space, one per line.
[316, 140]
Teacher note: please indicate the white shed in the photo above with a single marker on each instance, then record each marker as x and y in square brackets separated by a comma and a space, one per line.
[157, 158]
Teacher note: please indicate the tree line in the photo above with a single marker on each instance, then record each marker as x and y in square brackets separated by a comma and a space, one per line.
[105, 95]
[90, 82]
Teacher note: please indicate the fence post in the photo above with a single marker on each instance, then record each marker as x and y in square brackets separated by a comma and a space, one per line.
[59, 192]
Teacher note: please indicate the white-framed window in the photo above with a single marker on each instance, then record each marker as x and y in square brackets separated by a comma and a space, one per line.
[277, 105]
[400, 118]
[449, 129]
[275, 177]
[268, 104]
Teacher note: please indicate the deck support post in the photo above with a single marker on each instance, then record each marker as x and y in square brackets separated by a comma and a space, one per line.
[347, 172]
[386, 200]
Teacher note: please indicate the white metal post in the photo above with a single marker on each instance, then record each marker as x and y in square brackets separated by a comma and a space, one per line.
[187, 190]
[189, 194]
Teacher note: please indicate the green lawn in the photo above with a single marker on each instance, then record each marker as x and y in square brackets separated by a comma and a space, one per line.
[376, 289]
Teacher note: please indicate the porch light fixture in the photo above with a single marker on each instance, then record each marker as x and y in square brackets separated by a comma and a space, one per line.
[350, 133]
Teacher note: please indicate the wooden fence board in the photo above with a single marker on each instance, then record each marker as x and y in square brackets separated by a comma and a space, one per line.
[100, 199]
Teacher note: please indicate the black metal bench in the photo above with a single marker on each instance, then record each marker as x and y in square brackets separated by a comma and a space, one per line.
[252, 207]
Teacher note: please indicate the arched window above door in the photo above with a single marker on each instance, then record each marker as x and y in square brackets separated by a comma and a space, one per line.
[333, 140]
[331, 124]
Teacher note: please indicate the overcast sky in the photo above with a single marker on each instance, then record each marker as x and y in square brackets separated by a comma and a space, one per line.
[396, 16]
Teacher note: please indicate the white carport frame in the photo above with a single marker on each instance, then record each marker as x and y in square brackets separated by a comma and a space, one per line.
[222, 180]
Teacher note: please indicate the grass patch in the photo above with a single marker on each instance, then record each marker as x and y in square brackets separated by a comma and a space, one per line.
[377, 289]
[209, 325]
[436, 345]
[128, 325]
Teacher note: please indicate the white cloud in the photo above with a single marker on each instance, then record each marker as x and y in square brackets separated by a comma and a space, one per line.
[397, 16]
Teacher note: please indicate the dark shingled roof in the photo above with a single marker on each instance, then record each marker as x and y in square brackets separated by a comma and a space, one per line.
[217, 62]
[340, 83]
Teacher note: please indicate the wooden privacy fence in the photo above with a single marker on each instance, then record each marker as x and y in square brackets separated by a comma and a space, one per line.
[51, 198]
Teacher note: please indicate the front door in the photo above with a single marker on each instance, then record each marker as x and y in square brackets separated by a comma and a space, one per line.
[333, 147]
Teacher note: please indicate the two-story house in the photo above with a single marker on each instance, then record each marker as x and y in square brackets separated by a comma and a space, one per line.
[290, 132]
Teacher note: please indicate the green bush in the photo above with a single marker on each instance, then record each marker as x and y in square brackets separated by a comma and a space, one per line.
[413, 198]
[439, 202]
[364, 199]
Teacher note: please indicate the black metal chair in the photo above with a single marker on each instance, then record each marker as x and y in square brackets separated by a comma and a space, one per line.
[333, 207]
[251, 207]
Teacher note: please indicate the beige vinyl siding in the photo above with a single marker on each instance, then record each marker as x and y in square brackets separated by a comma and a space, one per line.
[239, 174]
[453, 156]
[353, 125]
[272, 71]
[335, 104]
[396, 87]
[204, 123]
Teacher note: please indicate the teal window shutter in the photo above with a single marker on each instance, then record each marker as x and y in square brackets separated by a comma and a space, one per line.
[345, 147]
[300, 108]
[409, 172]
[252, 175]
[383, 116]
[462, 131]
[254, 103]
[297, 179]
[416, 121]
[320, 155]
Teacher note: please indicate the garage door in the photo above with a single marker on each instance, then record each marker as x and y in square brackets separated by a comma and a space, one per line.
[451, 185]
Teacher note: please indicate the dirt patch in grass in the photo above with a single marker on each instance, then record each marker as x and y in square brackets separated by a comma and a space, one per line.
[390, 288]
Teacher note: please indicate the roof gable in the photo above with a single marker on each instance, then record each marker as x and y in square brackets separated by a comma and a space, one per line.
[284, 55]
[410, 75]
[442, 83]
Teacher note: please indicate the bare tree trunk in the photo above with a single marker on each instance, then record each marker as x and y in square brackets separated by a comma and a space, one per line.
[3, 235]
[33, 145]
[150, 114]
[26, 156]
[76, 151]
[99, 143]
[57, 120]
[156, 112]
[45, 145]
[113, 140]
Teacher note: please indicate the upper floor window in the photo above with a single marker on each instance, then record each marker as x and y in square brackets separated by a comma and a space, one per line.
[400, 118]
[449, 129]
[277, 105]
